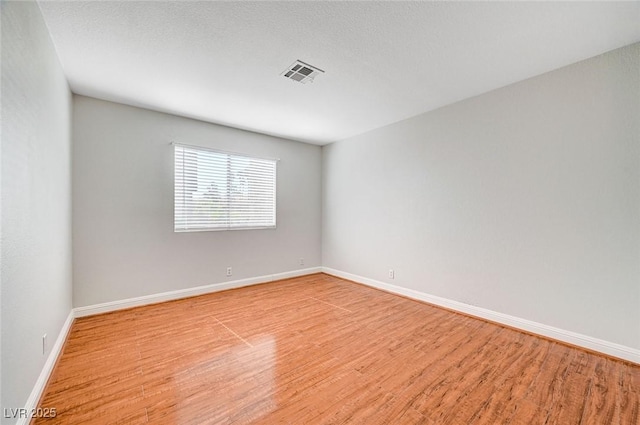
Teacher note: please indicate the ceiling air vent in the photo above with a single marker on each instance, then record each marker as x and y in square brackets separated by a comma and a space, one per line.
[302, 72]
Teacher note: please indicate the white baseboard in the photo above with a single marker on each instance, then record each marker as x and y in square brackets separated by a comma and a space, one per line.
[45, 373]
[189, 292]
[595, 344]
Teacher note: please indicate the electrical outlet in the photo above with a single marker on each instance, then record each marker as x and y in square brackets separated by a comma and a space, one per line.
[44, 343]
[229, 271]
[392, 274]
[302, 261]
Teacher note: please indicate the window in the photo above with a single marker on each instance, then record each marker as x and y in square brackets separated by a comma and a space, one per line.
[221, 191]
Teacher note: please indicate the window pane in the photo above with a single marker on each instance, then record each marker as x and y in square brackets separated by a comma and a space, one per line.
[217, 191]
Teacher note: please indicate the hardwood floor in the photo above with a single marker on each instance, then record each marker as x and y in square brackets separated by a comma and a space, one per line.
[321, 350]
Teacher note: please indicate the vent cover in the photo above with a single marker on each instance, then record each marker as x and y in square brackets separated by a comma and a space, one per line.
[301, 72]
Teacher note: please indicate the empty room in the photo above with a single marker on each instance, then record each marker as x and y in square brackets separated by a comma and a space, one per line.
[320, 212]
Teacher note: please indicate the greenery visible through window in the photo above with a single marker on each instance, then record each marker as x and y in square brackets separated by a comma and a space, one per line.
[220, 191]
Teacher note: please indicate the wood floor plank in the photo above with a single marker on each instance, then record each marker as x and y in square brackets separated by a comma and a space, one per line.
[322, 350]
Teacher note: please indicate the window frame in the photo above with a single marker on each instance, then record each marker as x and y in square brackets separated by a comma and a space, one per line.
[231, 156]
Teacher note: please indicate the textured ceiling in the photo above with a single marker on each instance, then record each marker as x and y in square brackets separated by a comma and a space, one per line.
[384, 61]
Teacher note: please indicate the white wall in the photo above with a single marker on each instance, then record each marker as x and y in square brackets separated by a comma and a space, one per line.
[36, 199]
[524, 200]
[123, 239]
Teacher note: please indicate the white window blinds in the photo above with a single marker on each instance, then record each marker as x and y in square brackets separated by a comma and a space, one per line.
[219, 191]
